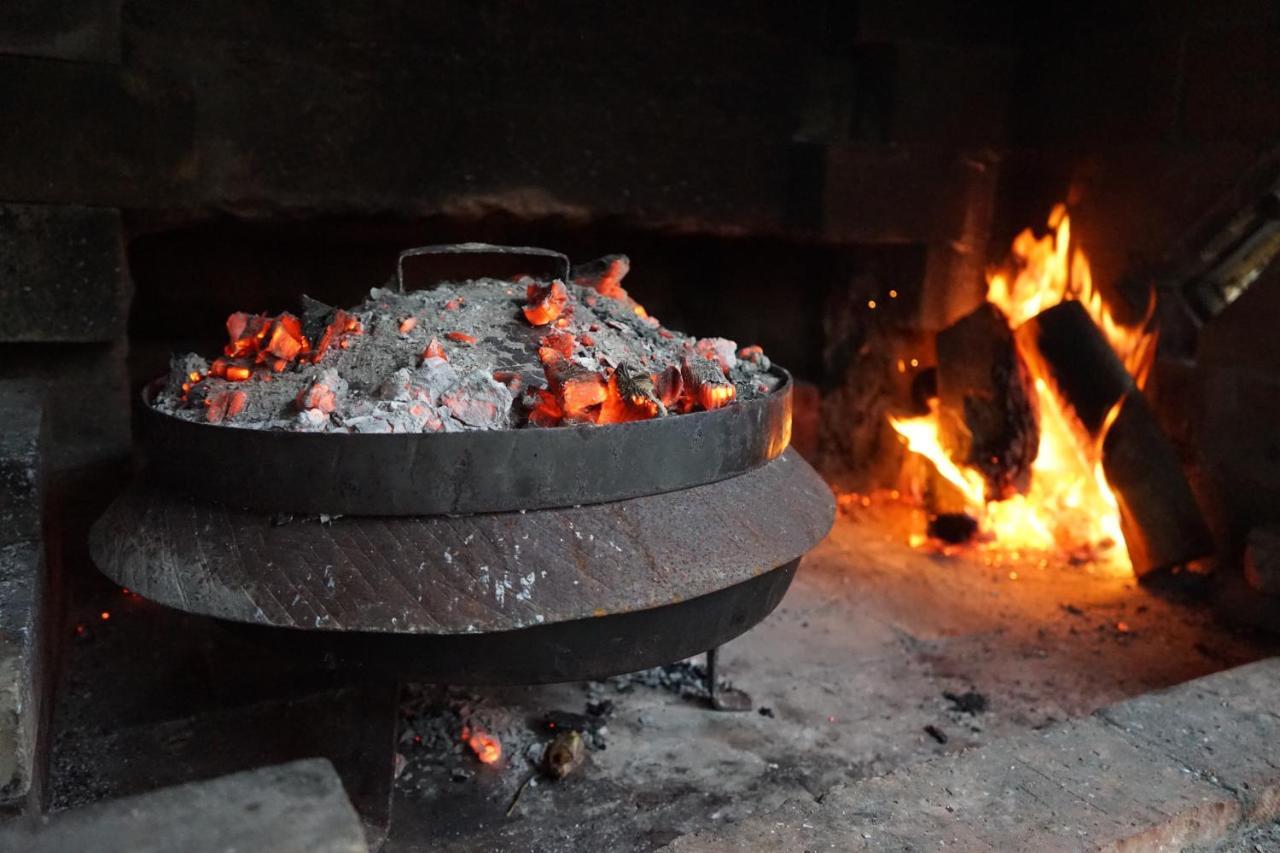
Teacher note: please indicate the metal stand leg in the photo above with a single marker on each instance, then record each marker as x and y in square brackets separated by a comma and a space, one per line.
[724, 698]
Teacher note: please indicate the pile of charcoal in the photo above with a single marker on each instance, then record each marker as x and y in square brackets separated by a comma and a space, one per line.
[471, 355]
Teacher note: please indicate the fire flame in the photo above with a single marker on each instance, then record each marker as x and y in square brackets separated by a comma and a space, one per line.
[1069, 506]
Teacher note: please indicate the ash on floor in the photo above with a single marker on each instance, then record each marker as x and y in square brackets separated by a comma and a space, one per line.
[874, 644]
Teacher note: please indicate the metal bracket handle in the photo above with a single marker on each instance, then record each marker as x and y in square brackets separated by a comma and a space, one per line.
[480, 249]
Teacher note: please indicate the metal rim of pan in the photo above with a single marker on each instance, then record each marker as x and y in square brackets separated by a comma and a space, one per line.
[464, 472]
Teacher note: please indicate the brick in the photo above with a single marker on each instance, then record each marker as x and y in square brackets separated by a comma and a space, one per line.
[85, 30]
[288, 808]
[930, 93]
[62, 274]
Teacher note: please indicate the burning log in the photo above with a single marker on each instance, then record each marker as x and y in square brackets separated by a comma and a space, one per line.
[1074, 355]
[988, 415]
[1159, 517]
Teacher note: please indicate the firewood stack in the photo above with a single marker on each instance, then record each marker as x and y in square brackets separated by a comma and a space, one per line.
[989, 421]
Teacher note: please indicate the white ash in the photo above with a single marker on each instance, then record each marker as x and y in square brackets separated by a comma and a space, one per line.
[391, 387]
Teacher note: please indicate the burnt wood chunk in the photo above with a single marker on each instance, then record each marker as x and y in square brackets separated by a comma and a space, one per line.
[1078, 361]
[989, 416]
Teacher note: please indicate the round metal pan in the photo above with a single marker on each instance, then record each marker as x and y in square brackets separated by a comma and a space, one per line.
[483, 471]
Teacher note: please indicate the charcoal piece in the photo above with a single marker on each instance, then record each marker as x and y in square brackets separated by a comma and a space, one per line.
[604, 275]
[316, 316]
[479, 401]
[954, 528]
[988, 412]
[1161, 521]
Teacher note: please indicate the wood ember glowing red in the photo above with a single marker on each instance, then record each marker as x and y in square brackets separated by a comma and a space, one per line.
[435, 349]
[545, 303]
[562, 342]
[605, 276]
[461, 337]
[577, 389]
[706, 383]
[226, 404]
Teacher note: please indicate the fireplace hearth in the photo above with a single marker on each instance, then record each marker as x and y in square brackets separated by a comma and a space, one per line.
[968, 512]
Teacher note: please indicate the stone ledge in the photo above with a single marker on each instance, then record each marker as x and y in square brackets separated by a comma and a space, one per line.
[289, 808]
[1184, 766]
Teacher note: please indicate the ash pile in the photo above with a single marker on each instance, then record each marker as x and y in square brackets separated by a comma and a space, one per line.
[480, 354]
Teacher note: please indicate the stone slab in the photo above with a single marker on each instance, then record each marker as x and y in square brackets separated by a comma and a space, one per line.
[289, 808]
[1181, 767]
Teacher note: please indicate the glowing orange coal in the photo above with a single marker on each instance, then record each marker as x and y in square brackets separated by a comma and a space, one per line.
[486, 747]
[1069, 506]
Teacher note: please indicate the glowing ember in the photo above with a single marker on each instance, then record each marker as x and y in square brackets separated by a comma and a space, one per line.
[1069, 506]
[486, 747]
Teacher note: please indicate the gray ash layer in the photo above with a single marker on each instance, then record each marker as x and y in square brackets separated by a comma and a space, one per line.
[381, 381]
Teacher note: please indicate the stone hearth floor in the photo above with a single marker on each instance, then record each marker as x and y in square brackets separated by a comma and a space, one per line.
[849, 678]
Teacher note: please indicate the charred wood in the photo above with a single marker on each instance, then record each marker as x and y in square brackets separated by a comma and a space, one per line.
[1159, 516]
[988, 411]
[1162, 523]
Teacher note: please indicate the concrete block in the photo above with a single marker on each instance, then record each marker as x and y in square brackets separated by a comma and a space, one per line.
[21, 471]
[23, 586]
[62, 274]
[87, 391]
[288, 808]
[84, 30]
[1188, 766]
[1222, 728]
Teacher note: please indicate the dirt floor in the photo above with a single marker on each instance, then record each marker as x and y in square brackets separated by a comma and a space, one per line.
[879, 656]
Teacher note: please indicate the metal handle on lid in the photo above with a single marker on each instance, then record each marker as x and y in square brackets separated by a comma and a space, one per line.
[480, 249]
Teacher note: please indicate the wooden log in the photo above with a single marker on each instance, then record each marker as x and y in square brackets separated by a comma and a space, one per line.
[988, 414]
[1074, 355]
[1162, 523]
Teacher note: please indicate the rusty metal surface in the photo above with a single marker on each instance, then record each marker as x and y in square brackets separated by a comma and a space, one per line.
[486, 471]
[577, 650]
[459, 575]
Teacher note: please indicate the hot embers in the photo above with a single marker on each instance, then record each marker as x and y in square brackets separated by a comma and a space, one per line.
[480, 354]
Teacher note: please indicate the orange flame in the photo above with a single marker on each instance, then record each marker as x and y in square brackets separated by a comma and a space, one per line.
[1069, 505]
